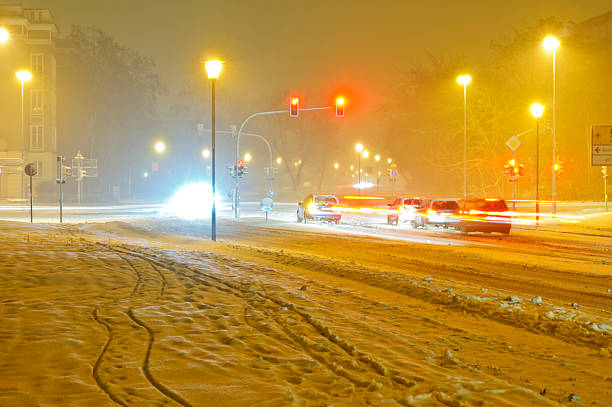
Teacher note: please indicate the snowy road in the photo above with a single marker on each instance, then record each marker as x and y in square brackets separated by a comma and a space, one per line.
[149, 312]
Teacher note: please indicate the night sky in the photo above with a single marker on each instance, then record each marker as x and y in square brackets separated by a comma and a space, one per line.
[315, 48]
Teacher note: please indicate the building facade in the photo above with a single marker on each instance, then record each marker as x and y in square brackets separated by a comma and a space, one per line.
[28, 128]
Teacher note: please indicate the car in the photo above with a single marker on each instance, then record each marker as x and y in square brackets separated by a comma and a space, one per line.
[403, 210]
[485, 215]
[437, 212]
[319, 207]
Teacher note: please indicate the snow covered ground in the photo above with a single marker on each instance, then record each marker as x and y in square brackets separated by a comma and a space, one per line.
[145, 310]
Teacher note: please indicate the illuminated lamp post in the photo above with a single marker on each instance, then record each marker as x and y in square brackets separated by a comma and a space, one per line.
[359, 149]
[213, 70]
[464, 80]
[537, 110]
[377, 159]
[551, 44]
[366, 154]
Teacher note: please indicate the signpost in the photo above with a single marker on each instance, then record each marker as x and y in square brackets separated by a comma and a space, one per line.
[61, 179]
[266, 205]
[601, 153]
[601, 145]
[30, 171]
[83, 167]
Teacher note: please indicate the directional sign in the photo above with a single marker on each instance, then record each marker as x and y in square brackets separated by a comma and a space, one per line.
[601, 145]
[513, 143]
[266, 204]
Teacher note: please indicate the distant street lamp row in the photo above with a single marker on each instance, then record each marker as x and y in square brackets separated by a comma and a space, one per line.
[551, 44]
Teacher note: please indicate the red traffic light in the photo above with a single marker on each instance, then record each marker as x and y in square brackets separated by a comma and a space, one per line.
[557, 168]
[340, 106]
[294, 106]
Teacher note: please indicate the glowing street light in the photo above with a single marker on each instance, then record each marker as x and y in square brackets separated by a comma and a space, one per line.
[551, 44]
[4, 35]
[159, 147]
[248, 157]
[389, 160]
[366, 153]
[359, 147]
[206, 153]
[537, 110]
[377, 157]
[336, 166]
[279, 160]
[213, 70]
[464, 80]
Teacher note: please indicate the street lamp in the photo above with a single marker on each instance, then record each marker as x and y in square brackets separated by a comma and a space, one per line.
[206, 153]
[377, 159]
[248, 157]
[365, 154]
[279, 160]
[4, 35]
[159, 147]
[213, 70]
[537, 110]
[464, 80]
[551, 44]
[359, 149]
[336, 166]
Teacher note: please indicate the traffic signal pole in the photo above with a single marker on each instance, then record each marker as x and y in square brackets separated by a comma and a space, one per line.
[236, 178]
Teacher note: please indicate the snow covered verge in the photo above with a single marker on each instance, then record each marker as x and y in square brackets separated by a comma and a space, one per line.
[571, 322]
[121, 314]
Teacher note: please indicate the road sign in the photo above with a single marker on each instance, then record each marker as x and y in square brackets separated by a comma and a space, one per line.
[513, 143]
[266, 204]
[601, 145]
[30, 170]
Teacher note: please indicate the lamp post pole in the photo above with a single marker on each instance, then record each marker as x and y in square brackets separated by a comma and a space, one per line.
[213, 221]
[554, 131]
[537, 171]
[465, 140]
[213, 69]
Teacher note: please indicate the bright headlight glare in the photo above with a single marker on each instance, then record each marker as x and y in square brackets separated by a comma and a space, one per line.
[192, 201]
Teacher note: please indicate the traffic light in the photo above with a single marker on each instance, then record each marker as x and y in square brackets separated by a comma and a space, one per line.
[513, 170]
[509, 168]
[557, 168]
[340, 106]
[294, 106]
[241, 169]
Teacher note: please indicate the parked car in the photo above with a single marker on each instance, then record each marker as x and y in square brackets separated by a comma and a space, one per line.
[319, 207]
[403, 210]
[485, 215]
[437, 212]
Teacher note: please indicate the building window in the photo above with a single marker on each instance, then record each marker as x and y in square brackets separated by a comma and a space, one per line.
[37, 102]
[38, 166]
[36, 137]
[38, 64]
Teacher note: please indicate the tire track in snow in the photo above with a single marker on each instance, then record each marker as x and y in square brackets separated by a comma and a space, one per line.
[96, 366]
[145, 366]
[362, 358]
